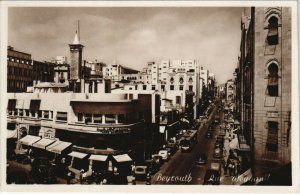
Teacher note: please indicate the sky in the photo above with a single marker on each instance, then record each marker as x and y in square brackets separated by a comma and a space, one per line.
[132, 36]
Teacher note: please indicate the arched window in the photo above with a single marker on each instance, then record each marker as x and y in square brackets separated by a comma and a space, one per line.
[181, 80]
[190, 79]
[272, 38]
[273, 80]
[171, 79]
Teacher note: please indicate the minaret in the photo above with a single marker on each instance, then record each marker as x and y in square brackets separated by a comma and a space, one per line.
[76, 58]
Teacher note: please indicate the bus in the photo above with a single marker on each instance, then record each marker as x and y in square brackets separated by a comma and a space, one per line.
[188, 140]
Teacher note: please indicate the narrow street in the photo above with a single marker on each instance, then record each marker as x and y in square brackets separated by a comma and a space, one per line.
[182, 165]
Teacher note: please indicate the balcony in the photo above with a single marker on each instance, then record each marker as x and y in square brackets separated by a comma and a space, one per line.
[102, 128]
[30, 120]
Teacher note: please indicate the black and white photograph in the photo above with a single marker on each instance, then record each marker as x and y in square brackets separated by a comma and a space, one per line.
[150, 95]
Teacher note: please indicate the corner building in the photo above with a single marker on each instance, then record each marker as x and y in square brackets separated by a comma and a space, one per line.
[265, 66]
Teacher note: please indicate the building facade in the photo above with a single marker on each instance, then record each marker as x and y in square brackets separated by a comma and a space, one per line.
[43, 71]
[265, 77]
[20, 72]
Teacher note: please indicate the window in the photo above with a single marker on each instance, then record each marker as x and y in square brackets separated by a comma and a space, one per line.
[33, 113]
[61, 116]
[10, 112]
[21, 112]
[96, 87]
[27, 113]
[190, 79]
[97, 118]
[40, 114]
[153, 87]
[144, 87]
[110, 118]
[178, 99]
[171, 87]
[272, 141]
[163, 87]
[171, 79]
[80, 117]
[190, 88]
[180, 87]
[181, 80]
[46, 114]
[273, 80]
[272, 38]
[87, 118]
[130, 96]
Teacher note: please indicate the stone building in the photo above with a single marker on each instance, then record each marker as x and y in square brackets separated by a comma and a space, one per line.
[19, 70]
[264, 75]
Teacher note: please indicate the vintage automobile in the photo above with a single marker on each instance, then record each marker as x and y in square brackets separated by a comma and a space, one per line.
[201, 159]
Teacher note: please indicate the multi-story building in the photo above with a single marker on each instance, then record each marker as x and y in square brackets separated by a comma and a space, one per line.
[62, 73]
[172, 79]
[265, 78]
[204, 75]
[102, 124]
[230, 91]
[60, 60]
[43, 71]
[20, 73]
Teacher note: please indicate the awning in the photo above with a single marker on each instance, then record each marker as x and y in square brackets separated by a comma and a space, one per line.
[122, 158]
[29, 139]
[11, 134]
[102, 158]
[58, 146]
[35, 104]
[162, 129]
[11, 103]
[77, 155]
[43, 143]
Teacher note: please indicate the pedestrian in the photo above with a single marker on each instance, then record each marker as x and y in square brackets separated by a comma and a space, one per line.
[81, 176]
[148, 179]
[69, 175]
[224, 167]
[238, 166]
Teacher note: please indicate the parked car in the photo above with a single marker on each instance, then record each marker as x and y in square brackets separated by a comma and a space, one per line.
[217, 121]
[216, 165]
[219, 143]
[164, 154]
[208, 135]
[23, 159]
[217, 153]
[140, 173]
[201, 159]
[212, 177]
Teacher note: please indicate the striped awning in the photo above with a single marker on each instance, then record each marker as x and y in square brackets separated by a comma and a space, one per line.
[77, 155]
[29, 139]
[58, 146]
[102, 158]
[122, 158]
[43, 143]
[11, 134]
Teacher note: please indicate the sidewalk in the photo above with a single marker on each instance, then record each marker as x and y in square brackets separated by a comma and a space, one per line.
[227, 180]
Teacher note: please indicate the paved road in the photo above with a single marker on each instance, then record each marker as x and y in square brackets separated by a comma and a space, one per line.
[181, 168]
